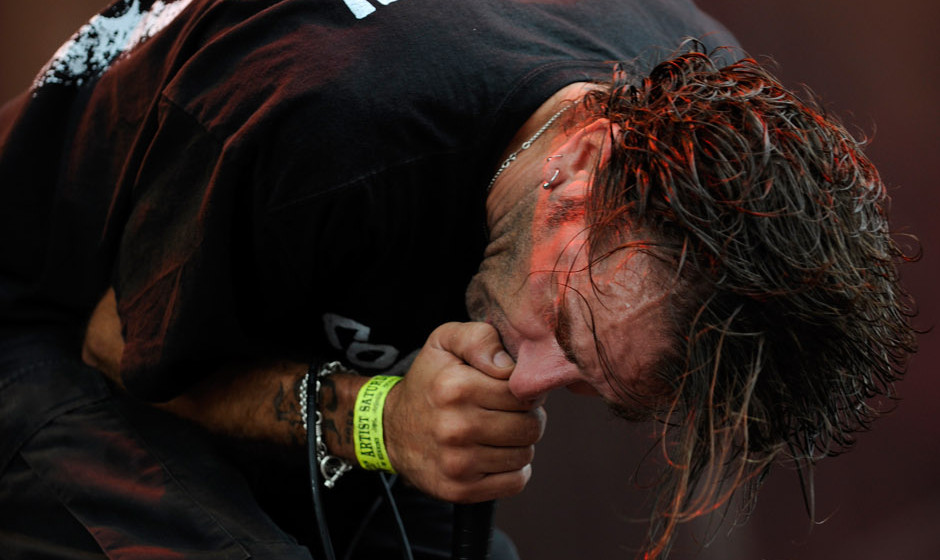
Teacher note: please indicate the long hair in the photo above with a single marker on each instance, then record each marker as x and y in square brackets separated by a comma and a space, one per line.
[785, 306]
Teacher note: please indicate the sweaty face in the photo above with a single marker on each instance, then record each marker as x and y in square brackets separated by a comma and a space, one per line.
[593, 332]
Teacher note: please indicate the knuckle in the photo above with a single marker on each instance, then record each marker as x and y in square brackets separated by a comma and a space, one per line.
[519, 458]
[537, 430]
[530, 433]
[449, 389]
[445, 334]
[479, 330]
[527, 455]
[530, 430]
[456, 466]
[445, 328]
[516, 483]
[454, 431]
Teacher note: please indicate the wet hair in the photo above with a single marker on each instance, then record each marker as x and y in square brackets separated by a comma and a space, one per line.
[789, 323]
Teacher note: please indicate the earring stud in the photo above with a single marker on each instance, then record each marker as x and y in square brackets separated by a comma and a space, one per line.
[548, 183]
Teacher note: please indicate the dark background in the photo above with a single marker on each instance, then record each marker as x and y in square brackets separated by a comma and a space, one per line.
[875, 64]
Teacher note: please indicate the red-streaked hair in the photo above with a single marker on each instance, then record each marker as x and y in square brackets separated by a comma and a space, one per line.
[787, 315]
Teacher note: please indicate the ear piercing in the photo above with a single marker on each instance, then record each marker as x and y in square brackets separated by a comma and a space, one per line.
[547, 184]
[528, 144]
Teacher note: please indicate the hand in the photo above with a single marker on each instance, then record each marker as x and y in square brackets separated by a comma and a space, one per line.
[453, 428]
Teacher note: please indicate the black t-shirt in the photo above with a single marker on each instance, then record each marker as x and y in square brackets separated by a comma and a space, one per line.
[294, 178]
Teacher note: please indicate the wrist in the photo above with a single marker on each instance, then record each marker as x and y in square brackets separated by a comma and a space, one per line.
[348, 426]
[392, 431]
[320, 397]
[369, 423]
[337, 402]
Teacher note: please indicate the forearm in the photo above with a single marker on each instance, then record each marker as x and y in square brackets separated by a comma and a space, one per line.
[452, 427]
[261, 404]
[257, 402]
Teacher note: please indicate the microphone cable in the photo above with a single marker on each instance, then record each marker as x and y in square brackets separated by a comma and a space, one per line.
[319, 511]
[316, 489]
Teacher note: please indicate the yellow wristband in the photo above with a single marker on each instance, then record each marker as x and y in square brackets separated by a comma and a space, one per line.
[368, 435]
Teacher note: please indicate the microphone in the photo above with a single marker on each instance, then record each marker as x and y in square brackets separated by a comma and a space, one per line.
[473, 530]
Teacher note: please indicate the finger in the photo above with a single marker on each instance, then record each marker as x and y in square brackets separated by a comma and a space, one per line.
[464, 384]
[491, 428]
[475, 463]
[477, 344]
[490, 487]
[513, 429]
[496, 460]
[495, 428]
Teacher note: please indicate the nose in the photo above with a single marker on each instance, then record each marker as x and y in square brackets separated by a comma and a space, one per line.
[541, 367]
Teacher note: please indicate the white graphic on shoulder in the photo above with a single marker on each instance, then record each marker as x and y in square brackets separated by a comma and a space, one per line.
[352, 337]
[362, 8]
[98, 43]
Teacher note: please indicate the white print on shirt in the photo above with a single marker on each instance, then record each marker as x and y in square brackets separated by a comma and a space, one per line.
[98, 43]
[362, 8]
[352, 337]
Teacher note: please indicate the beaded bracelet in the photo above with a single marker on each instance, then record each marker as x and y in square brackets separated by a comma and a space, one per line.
[331, 466]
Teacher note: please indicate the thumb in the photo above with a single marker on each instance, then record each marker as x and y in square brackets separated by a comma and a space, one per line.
[477, 344]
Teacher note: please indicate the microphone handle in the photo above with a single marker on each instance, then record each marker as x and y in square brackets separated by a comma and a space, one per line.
[473, 530]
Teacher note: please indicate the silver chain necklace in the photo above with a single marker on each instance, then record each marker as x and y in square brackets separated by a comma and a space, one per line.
[526, 145]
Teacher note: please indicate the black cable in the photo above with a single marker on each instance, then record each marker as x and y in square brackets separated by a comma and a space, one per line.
[366, 520]
[318, 510]
[393, 507]
[316, 490]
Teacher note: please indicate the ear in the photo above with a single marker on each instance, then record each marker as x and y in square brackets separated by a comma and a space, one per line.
[575, 160]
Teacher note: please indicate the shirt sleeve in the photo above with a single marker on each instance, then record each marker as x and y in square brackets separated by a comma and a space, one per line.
[181, 260]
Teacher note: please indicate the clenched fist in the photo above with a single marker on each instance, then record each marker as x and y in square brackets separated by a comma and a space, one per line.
[452, 426]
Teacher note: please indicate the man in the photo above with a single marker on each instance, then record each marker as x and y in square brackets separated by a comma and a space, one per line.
[271, 185]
